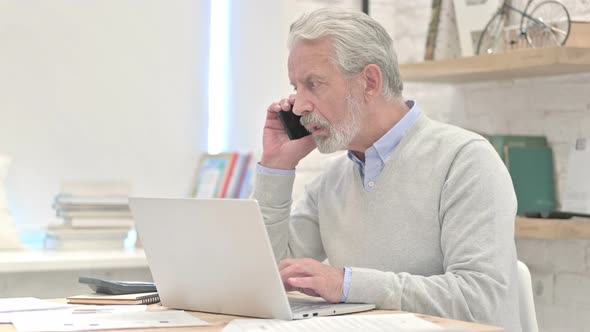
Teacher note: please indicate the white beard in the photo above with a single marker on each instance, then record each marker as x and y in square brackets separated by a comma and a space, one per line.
[341, 134]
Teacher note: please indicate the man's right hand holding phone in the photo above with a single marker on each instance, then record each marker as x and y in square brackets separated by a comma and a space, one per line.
[279, 151]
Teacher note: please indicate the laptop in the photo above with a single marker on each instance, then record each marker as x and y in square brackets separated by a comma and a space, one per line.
[214, 255]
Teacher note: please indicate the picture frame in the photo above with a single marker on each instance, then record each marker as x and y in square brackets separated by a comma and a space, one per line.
[211, 175]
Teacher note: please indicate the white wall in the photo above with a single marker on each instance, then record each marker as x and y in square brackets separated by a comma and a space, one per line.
[258, 61]
[101, 89]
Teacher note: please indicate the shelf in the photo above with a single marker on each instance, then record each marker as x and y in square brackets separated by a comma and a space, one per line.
[35, 261]
[521, 63]
[552, 229]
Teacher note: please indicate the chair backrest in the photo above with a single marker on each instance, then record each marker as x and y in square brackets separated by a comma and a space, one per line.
[528, 317]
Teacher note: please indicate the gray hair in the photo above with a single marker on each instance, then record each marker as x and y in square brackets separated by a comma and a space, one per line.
[358, 40]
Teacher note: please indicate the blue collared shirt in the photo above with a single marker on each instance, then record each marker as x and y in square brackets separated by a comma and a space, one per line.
[375, 158]
[378, 153]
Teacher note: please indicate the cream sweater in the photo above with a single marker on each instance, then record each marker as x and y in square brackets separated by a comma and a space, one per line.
[435, 236]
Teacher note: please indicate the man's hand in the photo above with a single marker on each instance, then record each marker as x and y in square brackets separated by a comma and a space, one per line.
[313, 278]
[278, 150]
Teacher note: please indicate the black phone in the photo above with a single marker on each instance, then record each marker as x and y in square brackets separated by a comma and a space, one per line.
[293, 126]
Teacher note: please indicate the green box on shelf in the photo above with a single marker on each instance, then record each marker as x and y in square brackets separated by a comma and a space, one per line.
[499, 142]
[531, 169]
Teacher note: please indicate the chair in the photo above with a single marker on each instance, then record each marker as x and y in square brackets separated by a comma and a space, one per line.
[528, 317]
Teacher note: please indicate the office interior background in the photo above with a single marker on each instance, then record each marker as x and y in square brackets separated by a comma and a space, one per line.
[137, 90]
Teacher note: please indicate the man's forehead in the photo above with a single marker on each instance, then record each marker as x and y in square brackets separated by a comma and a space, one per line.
[320, 50]
[309, 59]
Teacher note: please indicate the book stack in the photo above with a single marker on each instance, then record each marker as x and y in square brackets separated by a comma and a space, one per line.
[90, 218]
[225, 175]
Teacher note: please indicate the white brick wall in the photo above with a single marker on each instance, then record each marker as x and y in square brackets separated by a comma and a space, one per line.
[561, 282]
[569, 288]
[557, 318]
[558, 107]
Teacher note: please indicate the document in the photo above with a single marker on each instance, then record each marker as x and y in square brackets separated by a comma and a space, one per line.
[366, 323]
[104, 309]
[45, 322]
[28, 304]
[10, 306]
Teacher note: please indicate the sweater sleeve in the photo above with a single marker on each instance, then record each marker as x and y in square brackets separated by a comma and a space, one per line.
[292, 235]
[476, 215]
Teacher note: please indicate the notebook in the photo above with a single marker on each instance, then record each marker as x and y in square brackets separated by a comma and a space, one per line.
[97, 298]
[214, 255]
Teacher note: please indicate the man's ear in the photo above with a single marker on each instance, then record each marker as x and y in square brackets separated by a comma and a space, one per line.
[373, 79]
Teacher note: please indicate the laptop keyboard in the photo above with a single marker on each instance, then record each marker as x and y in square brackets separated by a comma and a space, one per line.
[298, 305]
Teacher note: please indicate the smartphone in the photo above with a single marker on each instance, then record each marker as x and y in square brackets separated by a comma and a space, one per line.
[293, 126]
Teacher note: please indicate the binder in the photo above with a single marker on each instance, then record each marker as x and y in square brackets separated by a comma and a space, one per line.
[531, 170]
[97, 298]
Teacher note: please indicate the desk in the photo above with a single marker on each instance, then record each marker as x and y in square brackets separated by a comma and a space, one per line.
[219, 321]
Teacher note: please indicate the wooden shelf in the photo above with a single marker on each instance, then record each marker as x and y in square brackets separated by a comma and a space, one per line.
[552, 229]
[520, 63]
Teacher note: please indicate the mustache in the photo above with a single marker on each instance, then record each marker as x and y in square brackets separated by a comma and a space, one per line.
[315, 119]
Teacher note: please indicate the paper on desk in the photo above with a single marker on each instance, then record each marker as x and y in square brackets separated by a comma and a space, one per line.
[6, 318]
[28, 304]
[366, 323]
[105, 309]
[10, 306]
[45, 322]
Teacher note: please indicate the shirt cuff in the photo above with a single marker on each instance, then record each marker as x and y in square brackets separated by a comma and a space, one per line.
[274, 171]
[346, 283]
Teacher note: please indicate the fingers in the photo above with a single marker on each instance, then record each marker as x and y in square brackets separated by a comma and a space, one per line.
[308, 291]
[293, 271]
[287, 262]
[306, 285]
[304, 282]
[297, 261]
[288, 287]
[312, 278]
[311, 286]
[298, 267]
[284, 104]
[274, 107]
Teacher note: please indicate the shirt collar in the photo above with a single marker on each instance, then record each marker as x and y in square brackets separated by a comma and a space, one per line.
[384, 147]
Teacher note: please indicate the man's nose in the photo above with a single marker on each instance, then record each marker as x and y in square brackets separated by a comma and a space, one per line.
[301, 106]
